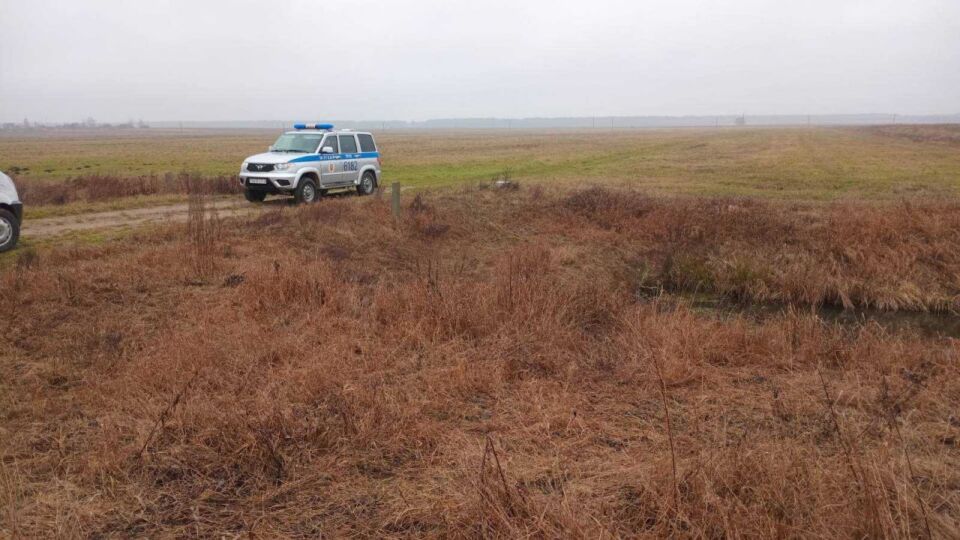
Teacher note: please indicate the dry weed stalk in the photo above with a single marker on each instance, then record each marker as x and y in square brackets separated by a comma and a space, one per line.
[892, 420]
[674, 489]
[204, 228]
[166, 412]
[489, 449]
[853, 456]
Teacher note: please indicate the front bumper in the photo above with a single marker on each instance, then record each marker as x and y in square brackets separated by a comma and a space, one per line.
[18, 211]
[276, 182]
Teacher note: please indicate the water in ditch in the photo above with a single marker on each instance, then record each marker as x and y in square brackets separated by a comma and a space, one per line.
[929, 324]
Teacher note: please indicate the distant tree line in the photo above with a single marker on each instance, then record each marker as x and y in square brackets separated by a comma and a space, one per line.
[88, 123]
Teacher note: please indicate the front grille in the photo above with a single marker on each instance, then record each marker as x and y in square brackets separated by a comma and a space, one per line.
[259, 167]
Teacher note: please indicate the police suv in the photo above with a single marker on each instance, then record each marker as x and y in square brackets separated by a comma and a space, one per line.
[309, 161]
[11, 213]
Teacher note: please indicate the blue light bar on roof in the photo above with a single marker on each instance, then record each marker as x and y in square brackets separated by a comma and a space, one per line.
[327, 127]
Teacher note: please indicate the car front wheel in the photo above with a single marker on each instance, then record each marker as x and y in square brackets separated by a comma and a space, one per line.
[9, 230]
[254, 196]
[306, 191]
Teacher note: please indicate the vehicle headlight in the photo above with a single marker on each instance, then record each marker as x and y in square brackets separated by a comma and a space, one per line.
[281, 166]
[244, 166]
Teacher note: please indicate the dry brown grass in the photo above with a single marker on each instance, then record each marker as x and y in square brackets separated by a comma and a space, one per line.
[102, 187]
[889, 257]
[499, 365]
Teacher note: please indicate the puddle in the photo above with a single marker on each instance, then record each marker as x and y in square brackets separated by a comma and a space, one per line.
[913, 322]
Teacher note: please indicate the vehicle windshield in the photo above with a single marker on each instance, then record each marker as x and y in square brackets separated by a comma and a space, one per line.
[298, 142]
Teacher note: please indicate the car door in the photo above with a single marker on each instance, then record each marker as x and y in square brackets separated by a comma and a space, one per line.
[349, 151]
[331, 166]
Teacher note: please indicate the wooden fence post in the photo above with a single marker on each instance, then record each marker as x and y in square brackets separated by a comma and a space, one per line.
[395, 199]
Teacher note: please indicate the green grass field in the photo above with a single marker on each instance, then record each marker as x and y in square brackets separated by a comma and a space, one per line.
[795, 163]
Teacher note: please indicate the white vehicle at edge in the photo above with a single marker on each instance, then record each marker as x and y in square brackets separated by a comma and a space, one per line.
[309, 161]
[11, 213]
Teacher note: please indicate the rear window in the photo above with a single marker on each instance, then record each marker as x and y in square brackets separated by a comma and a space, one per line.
[366, 142]
[348, 144]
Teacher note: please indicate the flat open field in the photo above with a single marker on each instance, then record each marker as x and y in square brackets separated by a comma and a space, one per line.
[799, 163]
[712, 333]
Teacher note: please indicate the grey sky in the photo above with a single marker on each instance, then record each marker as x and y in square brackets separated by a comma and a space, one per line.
[417, 59]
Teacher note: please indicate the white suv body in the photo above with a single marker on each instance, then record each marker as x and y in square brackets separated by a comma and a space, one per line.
[310, 160]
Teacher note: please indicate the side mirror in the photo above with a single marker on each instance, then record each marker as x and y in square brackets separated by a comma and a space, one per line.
[326, 150]
[270, 149]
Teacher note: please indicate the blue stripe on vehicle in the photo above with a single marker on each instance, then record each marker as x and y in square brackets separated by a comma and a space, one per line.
[330, 157]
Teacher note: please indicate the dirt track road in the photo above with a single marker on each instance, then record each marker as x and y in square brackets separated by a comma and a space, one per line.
[38, 229]
[115, 219]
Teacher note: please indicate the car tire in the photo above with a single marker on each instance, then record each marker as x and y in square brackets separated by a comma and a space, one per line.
[368, 183]
[306, 191]
[254, 196]
[9, 230]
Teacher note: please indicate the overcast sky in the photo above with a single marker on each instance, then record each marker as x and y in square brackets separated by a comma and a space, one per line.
[417, 59]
